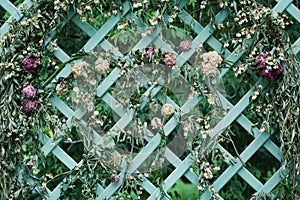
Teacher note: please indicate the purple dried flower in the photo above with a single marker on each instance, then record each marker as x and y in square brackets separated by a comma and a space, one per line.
[280, 69]
[185, 45]
[149, 51]
[115, 178]
[169, 58]
[272, 75]
[28, 91]
[264, 72]
[269, 75]
[30, 64]
[261, 60]
[29, 106]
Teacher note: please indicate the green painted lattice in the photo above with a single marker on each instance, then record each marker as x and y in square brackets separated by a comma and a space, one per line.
[205, 35]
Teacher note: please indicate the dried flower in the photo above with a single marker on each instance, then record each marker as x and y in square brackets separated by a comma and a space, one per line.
[137, 5]
[29, 106]
[28, 91]
[270, 69]
[185, 45]
[260, 60]
[30, 64]
[122, 25]
[169, 58]
[153, 21]
[210, 61]
[211, 57]
[167, 110]
[209, 70]
[274, 74]
[115, 178]
[102, 65]
[61, 88]
[156, 123]
[77, 69]
[149, 51]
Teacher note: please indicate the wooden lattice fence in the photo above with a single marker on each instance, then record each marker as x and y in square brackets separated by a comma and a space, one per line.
[235, 113]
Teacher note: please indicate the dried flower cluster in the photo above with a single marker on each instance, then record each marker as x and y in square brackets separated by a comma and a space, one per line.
[167, 110]
[149, 51]
[169, 58]
[210, 62]
[270, 69]
[185, 45]
[30, 64]
[156, 123]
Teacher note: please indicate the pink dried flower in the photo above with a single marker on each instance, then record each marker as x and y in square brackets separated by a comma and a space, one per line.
[185, 45]
[260, 60]
[167, 109]
[28, 91]
[149, 52]
[115, 178]
[30, 64]
[29, 106]
[169, 58]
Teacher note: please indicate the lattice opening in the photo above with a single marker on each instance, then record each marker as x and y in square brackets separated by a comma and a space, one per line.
[4, 15]
[240, 139]
[69, 193]
[292, 29]
[236, 189]
[251, 114]
[178, 143]
[234, 94]
[74, 146]
[53, 171]
[268, 3]
[222, 162]
[135, 191]
[283, 187]
[144, 194]
[173, 36]
[124, 39]
[263, 169]
[98, 21]
[187, 28]
[297, 3]
[17, 2]
[182, 189]
[274, 138]
[71, 32]
[108, 116]
[158, 175]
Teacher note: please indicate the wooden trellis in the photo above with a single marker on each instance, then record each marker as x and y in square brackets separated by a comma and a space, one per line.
[235, 113]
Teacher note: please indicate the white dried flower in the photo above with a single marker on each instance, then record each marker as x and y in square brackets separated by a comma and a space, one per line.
[156, 123]
[210, 62]
[77, 69]
[153, 21]
[102, 65]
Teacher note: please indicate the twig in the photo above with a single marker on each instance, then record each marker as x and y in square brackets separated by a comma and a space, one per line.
[59, 69]
[236, 151]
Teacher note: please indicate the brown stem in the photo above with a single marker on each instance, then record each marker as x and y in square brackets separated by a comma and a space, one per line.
[236, 151]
